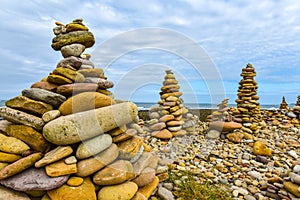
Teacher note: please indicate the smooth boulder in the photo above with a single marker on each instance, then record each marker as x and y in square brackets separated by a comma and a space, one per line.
[80, 126]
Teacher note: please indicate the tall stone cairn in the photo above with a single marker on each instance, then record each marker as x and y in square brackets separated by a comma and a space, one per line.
[221, 114]
[67, 138]
[284, 105]
[167, 117]
[247, 101]
[296, 108]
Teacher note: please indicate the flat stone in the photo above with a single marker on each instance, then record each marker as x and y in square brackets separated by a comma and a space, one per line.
[158, 126]
[28, 105]
[124, 191]
[54, 155]
[58, 79]
[50, 115]
[76, 26]
[146, 177]
[80, 126]
[128, 134]
[19, 166]
[8, 157]
[76, 88]
[45, 85]
[175, 123]
[102, 83]
[85, 38]
[295, 178]
[166, 118]
[33, 179]
[115, 173]
[12, 145]
[129, 148]
[60, 168]
[91, 165]
[95, 72]
[73, 75]
[28, 135]
[224, 126]
[20, 117]
[72, 50]
[74, 62]
[84, 191]
[174, 128]
[162, 134]
[7, 194]
[93, 146]
[43, 95]
[75, 181]
[85, 101]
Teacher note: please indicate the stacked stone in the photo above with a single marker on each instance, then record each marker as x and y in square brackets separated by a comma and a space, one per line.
[167, 118]
[66, 137]
[296, 108]
[221, 114]
[284, 105]
[247, 102]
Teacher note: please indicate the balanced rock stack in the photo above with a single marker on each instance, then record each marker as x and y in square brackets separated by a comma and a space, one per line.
[221, 114]
[166, 118]
[247, 102]
[284, 105]
[296, 108]
[66, 138]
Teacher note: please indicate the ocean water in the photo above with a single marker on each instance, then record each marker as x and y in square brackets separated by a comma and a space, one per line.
[147, 106]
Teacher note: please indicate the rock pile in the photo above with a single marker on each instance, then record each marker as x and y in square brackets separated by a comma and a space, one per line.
[284, 105]
[66, 137]
[167, 118]
[296, 108]
[248, 107]
[221, 114]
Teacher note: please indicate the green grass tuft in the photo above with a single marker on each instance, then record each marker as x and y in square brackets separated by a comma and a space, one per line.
[192, 189]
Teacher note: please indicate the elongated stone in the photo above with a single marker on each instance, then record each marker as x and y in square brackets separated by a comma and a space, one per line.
[28, 105]
[43, 95]
[33, 179]
[20, 117]
[91, 165]
[93, 146]
[84, 125]
[19, 165]
[54, 155]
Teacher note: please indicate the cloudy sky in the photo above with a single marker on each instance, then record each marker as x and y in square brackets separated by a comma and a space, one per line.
[205, 43]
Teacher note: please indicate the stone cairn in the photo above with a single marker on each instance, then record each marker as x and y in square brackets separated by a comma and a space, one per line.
[284, 105]
[167, 118]
[221, 114]
[248, 107]
[296, 108]
[66, 137]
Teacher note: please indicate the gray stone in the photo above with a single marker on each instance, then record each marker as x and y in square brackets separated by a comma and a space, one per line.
[45, 96]
[93, 146]
[165, 194]
[20, 117]
[255, 174]
[296, 169]
[262, 159]
[3, 125]
[213, 134]
[8, 194]
[291, 115]
[294, 177]
[147, 159]
[293, 154]
[102, 83]
[33, 179]
[72, 50]
[75, 62]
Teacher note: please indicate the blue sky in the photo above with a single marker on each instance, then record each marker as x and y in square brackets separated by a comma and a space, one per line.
[231, 33]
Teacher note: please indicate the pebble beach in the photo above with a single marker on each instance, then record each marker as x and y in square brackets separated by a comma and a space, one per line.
[67, 137]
